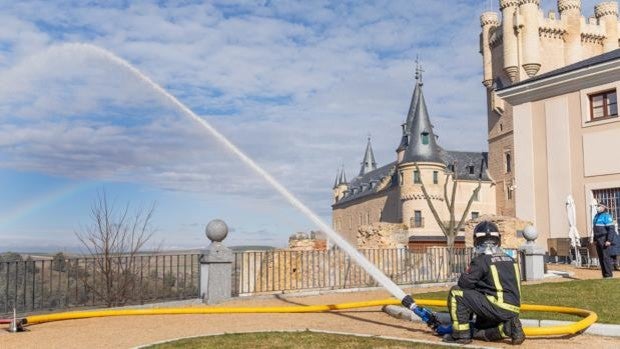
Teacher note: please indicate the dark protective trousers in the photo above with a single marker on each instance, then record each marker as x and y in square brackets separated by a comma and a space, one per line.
[604, 258]
[490, 319]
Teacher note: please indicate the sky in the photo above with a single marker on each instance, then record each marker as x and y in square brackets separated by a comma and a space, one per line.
[296, 85]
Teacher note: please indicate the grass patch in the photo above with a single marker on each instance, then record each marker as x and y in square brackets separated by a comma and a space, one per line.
[305, 339]
[601, 296]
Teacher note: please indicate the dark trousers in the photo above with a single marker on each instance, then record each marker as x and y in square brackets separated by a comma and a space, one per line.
[604, 258]
[490, 319]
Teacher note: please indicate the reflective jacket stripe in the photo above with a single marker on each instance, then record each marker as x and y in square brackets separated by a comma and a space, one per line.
[498, 284]
[518, 277]
[455, 324]
[499, 301]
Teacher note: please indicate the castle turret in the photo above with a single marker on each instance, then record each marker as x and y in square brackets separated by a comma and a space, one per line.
[340, 185]
[369, 163]
[607, 15]
[424, 154]
[422, 145]
[570, 14]
[529, 13]
[488, 20]
[510, 43]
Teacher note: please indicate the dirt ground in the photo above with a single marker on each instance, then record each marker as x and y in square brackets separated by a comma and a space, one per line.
[127, 332]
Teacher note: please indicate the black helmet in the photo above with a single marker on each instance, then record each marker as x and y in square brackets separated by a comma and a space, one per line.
[486, 232]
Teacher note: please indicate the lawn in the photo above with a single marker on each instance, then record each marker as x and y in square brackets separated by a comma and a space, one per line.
[268, 340]
[601, 296]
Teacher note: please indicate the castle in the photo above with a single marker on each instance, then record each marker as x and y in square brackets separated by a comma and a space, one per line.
[392, 194]
[552, 82]
[526, 44]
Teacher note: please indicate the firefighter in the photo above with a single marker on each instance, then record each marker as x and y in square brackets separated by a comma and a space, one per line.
[490, 288]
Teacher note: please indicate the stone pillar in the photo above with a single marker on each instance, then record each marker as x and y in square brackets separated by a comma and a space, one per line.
[488, 20]
[531, 38]
[570, 14]
[532, 256]
[607, 15]
[216, 265]
[510, 44]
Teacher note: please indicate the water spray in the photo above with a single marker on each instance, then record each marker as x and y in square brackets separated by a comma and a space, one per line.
[333, 235]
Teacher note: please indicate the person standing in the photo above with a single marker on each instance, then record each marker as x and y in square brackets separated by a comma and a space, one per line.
[604, 236]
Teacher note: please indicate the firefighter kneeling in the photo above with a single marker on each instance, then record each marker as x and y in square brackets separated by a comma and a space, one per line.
[490, 288]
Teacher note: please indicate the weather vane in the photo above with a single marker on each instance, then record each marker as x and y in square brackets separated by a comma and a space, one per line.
[418, 69]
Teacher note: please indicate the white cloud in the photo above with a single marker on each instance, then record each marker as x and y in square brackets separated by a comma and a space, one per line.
[296, 84]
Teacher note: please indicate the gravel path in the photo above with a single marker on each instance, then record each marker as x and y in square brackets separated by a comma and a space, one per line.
[127, 332]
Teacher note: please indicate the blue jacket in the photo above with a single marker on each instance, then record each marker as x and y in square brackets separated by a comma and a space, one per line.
[604, 226]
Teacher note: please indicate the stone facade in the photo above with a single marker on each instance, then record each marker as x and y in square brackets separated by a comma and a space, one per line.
[386, 201]
[509, 228]
[382, 235]
[315, 241]
[527, 43]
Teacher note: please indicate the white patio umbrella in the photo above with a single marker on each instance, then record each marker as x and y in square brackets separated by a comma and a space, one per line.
[573, 233]
[593, 212]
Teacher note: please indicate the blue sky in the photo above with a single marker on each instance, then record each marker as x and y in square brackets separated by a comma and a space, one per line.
[297, 85]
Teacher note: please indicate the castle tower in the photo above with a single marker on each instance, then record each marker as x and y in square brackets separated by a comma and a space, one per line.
[570, 14]
[421, 150]
[525, 44]
[510, 49]
[607, 15]
[528, 10]
[368, 163]
[340, 185]
[488, 20]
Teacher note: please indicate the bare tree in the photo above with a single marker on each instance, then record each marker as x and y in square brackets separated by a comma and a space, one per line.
[114, 239]
[451, 227]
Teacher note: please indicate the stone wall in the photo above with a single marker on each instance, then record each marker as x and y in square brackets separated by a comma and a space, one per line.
[315, 241]
[508, 228]
[382, 235]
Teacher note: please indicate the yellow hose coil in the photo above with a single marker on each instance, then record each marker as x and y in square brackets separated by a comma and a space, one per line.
[589, 317]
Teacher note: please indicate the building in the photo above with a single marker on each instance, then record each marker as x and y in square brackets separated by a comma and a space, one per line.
[566, 132]
[552, 86]
[525, 44]
[392, 194]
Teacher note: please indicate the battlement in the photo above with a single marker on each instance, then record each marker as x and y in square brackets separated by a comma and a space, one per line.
[528, 42]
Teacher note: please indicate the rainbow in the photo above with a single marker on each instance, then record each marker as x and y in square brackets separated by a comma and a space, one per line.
[31, 205]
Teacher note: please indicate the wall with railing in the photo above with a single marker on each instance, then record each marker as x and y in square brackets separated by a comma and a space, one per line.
[47, 285]
[256, 272]
[42, 285]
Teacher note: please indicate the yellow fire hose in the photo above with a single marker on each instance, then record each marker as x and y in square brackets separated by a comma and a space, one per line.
[589, 317]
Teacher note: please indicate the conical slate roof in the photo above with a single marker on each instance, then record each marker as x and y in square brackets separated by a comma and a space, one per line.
[422, 143]
[369, 163]
[343, 177]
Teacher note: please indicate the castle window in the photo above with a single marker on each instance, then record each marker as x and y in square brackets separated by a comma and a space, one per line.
[435, 177]
[508, 162]
[417, 221]
[470, 168]
[603, 105]
[451, 168]
[476, 195]
[425, 138]
[416, 177]
[475, 215]
[402, 178]
[509, 191]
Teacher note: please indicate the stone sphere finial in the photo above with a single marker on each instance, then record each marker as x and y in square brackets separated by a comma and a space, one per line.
[530, 234]
[216, 230]
[489, 18]
[564, 5]
[608, 8]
